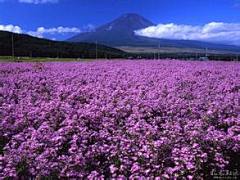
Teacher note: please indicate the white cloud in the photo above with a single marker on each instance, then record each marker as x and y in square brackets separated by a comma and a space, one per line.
[89, 27]
[33, 1]
[38, 1]
[59, 30]
[11, 28]
[42, 31]
[228, 33]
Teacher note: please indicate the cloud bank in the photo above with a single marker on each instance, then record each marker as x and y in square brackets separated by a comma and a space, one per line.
[33, 1]
[59, 30]
[42, 31]
[38, 1]
[11, 28]
[219, 32]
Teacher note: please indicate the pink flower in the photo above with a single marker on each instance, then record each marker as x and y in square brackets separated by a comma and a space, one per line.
[135, 168]
[113, 169]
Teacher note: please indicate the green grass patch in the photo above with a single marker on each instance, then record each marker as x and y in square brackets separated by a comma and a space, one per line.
[28, 59]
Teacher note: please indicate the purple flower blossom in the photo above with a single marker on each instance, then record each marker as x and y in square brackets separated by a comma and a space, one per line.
[118, 119]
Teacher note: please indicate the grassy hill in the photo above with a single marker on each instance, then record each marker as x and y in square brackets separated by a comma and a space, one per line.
[25, 45]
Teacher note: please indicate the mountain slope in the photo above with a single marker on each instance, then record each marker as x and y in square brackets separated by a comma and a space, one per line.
[121, 33]
[118, 32]
[25, 45]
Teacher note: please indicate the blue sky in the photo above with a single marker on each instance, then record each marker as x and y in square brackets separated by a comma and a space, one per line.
[48, 15]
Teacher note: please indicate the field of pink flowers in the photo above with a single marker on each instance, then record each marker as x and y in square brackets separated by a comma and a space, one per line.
[119, 119]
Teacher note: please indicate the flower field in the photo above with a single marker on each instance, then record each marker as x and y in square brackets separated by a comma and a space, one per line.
[119, 119]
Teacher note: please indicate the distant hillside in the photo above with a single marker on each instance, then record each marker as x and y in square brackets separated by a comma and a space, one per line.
[25, 45]
[120, 32]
